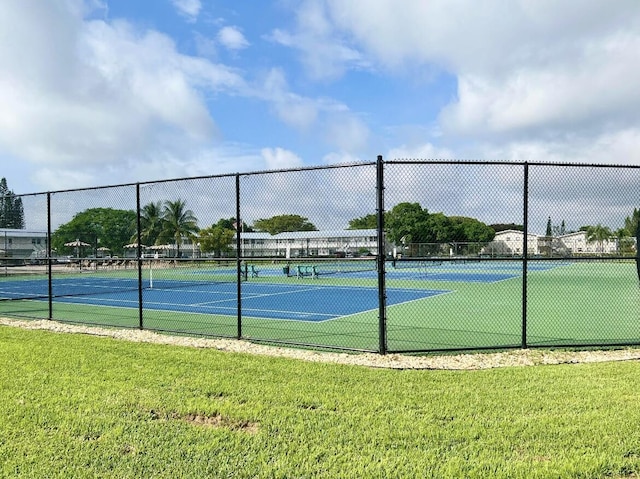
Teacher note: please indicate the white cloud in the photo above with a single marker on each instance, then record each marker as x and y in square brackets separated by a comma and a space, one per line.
[325, 54]
[524, 68]
[80, 94]
[347, 132]
[279, 158]
[188, 8]
[341, 127]
[619, 147]
[294, 110]
[232, 38]
[596, 89]
[52, 179]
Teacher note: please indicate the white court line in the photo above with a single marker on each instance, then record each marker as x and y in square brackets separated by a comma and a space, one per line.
[261, 295]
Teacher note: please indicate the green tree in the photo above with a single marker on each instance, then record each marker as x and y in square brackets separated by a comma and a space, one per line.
[178, 223]
[99, 227]
[439, 229]
[216, 239]
[11, 208]
[282, 223]
[598, 234]
[549, 232]
[232, 223]
[365, 222]
[471, 230]
[497, 227]
[407, 223]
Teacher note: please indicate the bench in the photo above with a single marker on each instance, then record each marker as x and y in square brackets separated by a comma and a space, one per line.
[302, 271]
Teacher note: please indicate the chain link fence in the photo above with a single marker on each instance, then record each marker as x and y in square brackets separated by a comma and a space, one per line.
[387, 256]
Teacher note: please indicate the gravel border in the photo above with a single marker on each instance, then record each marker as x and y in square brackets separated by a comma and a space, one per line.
[468, 361]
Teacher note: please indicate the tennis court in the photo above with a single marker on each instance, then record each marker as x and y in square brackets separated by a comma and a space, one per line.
[300, 302]
[431, 305]
[211, 291]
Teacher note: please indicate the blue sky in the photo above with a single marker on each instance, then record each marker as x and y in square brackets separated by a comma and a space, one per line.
[101, 92]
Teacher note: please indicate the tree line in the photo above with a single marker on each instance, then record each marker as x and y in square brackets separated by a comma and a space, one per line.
[162, 222]
[173, 222]
[410, 223]
[111, 229]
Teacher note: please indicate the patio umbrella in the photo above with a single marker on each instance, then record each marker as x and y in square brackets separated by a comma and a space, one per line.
[161, 246]
[77, 243]
[133, 246]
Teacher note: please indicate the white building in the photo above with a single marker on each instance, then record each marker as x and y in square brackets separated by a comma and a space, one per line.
[510, 243]
[310, 243]
[18, 245]
[577, 244]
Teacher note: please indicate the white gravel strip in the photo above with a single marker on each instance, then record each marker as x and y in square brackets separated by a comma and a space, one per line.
[467, 361]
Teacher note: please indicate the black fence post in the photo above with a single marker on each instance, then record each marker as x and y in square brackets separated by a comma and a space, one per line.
[139, 258]
[525, 253]
[382, 290]
[239, 256]
[49, 259]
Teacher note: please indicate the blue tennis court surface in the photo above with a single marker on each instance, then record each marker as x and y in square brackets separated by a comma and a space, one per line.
[300, 302]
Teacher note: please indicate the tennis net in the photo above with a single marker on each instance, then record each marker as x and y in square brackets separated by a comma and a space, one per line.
[329, 266]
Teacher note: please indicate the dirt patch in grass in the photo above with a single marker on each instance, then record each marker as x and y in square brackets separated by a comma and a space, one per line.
[219, 421]
[467, 361]
[203, 420]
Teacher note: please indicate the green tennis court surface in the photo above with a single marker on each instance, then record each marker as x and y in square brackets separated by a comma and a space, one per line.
[572, 303]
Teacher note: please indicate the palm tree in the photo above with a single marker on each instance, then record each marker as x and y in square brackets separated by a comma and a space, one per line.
[598, 234]
[178, 222]
[625, 242]
[631, 222]
[150, 223]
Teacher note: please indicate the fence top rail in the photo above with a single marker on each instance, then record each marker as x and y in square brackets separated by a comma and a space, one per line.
[205, 177]
[406, 161]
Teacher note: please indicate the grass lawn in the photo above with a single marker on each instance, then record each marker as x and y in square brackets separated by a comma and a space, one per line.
[81, 406]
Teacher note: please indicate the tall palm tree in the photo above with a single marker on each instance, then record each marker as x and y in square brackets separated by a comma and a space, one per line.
[150, 223]
[625, 240]
[178, 222]
[598, 234]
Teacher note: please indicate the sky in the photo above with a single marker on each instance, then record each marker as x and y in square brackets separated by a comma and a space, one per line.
[97, 92]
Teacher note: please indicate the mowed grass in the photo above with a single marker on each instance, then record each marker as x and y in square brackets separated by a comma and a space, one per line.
[82, 406]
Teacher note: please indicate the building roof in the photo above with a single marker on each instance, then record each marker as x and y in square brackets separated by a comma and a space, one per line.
[504, 232]
[326, 234]
[312, 234]
[15, 233]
